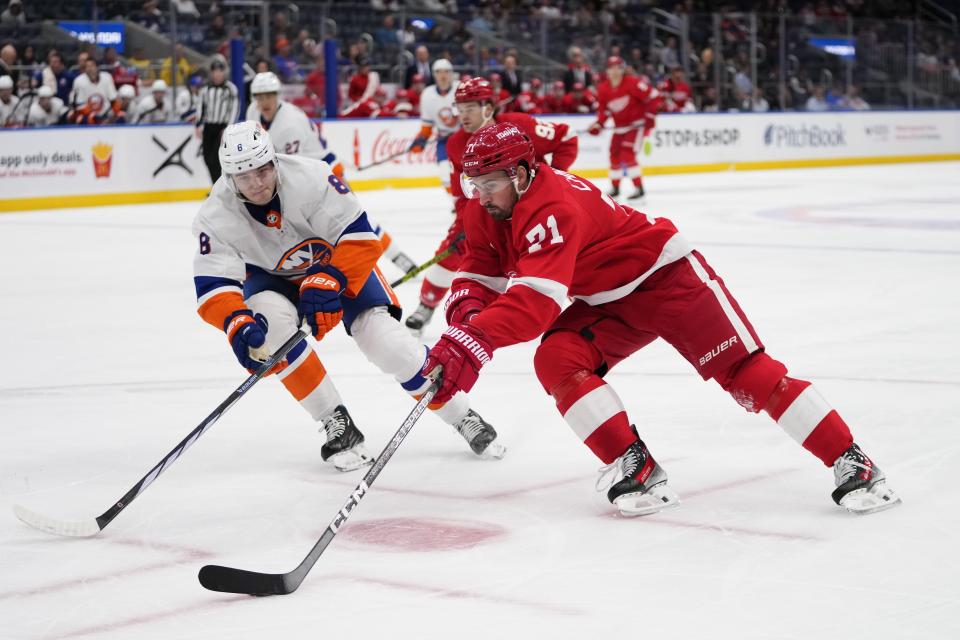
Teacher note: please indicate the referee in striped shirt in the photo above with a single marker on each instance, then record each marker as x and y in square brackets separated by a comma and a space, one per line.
[219, 106]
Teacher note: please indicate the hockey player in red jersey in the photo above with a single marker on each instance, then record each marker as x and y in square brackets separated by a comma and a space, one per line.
[676, 92]
[475, 100]
[538, 237]
[632, 103]
[553, 101]
[579, 100]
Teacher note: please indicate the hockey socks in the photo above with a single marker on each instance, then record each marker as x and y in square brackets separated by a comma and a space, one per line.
[595, 413]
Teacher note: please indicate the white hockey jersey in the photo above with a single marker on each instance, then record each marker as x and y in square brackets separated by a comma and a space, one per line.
[439, 111]
[40, 117]
[84, 88]
[7, 109]
[314, 219]
[149, 112]
[292, 132]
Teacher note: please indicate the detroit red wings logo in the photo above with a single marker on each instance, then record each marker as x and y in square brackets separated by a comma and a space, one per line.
[305, 255]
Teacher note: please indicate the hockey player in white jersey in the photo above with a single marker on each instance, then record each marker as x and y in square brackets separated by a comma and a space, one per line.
[281, 238]
[294, 133]
[438, 111]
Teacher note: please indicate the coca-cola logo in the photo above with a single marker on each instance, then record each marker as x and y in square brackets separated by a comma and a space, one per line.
[386, 145]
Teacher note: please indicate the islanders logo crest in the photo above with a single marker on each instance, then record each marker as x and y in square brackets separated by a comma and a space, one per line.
[306, 254]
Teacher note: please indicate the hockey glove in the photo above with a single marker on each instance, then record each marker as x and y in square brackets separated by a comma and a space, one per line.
[595, 129]
[320, 299]
[462, 350]
[418, 144]
[466, 300]
[247, 334]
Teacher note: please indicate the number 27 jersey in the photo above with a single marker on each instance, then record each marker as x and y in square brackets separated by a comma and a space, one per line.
[565, 239]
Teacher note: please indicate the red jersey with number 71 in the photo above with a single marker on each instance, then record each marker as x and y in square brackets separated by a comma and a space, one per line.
[566, 239]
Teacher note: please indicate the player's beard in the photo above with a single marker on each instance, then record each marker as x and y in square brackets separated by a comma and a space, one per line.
[497, 213]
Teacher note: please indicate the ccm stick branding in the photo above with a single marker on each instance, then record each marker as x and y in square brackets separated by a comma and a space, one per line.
[352, 502]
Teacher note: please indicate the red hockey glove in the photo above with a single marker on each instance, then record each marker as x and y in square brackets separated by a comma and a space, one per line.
[649, 122]
[320, 299]
[462, 350]
[466, 300]
[595, 129]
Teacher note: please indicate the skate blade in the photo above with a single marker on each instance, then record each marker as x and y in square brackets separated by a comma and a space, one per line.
[656, 499]
[494, 451]
[871, 500]
[351, 459]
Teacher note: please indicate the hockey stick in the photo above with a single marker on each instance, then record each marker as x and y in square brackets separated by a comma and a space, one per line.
[443, 255]
[230, 580]
[383, 161]
[93, 526]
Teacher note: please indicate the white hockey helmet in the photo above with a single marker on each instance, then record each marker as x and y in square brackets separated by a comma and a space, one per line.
[127, 91]
[266, 82]
[245, 146]
[6, 82]
[442, 64]
[158, 86]
[44, 91]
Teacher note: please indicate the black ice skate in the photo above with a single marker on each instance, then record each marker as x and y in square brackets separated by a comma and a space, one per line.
[638, 194]
[404, 262]
[344, 448]
[613, 193]
[639, 484]
[861, 486]
[480, 435]
[419, 319]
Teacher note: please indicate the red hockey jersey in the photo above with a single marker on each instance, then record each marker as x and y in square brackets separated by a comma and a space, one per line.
[675, 95]
[629, 103]
[566, 238]
[548, 138]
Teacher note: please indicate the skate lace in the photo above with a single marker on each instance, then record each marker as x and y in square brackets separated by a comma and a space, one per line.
[335, 425]
[618, 469]
[848, 464]
[470, 426]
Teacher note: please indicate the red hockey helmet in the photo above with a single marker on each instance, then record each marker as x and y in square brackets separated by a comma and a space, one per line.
[536, 83]
[474, 90]
[615, 61]
[417, 77]
[500, 147]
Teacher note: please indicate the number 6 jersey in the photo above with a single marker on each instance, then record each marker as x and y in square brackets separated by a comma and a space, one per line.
[565, 239]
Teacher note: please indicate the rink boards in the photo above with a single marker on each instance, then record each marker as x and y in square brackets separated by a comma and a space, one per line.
[92, 166]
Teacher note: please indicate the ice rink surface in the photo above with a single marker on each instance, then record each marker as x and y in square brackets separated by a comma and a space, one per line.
[849, 275]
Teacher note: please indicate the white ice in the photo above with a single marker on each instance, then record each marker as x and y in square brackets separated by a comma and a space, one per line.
[849, 275]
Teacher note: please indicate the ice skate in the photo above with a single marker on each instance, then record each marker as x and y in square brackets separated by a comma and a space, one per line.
[344, 448]
[639, 484]
[480, 435]
[404, 262]
[637, 195]
[861, 486]
[614, 192]
[419, 319]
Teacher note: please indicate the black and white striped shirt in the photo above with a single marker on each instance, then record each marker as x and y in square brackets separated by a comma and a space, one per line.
[219, 104]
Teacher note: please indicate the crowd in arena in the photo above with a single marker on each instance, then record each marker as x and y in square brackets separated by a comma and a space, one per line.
[99, 86]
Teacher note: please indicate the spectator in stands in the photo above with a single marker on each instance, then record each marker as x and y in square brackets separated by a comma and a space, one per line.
[142, 65]
[13, 15]
[511, 75]
[817, 101]
[217, 29]
[420, 66]
[367, 107]
[56, 76]
[577, 70]
[635, 61]
[92, 83]
[386, 34]
[363, 84]
[756, 103]
[676, 92]
[417, 85]
[580, 100]
[48, 110]
[8, 60]
[668, 56]
[8, 101]
[149, 16]
[501, 97]
[154, 108]
[399, 107]
[186, 8]
[28, 61]
[709, 102]
[287, 67]
[553, 102]
[183, 67]
[854, 101]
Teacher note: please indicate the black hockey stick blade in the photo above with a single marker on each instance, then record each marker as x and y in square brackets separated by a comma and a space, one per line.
[231, 580]
[93, 526]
